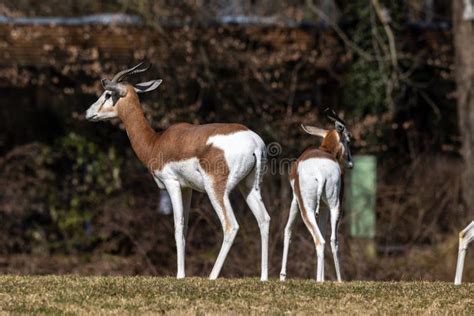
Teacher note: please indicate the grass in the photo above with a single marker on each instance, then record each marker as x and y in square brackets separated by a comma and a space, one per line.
[93, 295]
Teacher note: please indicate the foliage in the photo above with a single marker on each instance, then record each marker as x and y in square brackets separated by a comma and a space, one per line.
[24, 184]
[88, 177]
[389, 79]
[364, 93]
[61, 193]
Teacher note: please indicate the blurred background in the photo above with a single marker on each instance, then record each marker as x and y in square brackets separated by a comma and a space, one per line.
[75, 199]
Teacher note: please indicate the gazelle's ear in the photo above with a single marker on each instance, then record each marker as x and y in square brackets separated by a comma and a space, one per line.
[316, 131]
[147, 86]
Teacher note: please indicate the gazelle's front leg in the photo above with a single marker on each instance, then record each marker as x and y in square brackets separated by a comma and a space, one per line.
[174, 190]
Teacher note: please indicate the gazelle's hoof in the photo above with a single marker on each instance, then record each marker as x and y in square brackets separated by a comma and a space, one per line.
[282, 277]
[212, 277]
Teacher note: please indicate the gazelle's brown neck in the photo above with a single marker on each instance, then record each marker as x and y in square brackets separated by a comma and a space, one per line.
[142, 137]
[331, 145]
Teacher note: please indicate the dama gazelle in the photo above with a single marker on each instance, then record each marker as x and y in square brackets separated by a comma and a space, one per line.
[211, 158]
[318, 173]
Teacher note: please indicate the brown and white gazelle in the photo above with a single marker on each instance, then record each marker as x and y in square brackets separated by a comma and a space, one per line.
[211, 158]
[318, 173]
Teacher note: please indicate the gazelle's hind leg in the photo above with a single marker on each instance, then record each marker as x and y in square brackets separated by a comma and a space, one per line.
[250, 188]
[308, 202]
[288, 231]
[332, 199]
[219, 197]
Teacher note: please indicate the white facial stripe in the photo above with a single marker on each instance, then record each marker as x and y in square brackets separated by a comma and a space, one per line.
[102, 109]
[102, 104]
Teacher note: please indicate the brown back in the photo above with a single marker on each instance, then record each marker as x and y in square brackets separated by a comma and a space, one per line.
[179, 142]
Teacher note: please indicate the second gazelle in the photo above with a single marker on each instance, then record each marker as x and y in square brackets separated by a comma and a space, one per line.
[211, 158]
[318, 173]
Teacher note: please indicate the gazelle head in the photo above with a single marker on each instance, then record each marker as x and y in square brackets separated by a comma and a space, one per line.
[116, 91]
[335, 141]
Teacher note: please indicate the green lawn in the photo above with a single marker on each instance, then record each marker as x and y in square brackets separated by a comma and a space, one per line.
[74, 294]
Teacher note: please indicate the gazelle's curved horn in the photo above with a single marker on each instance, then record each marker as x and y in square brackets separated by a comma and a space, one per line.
[141, 67]
[333, 116]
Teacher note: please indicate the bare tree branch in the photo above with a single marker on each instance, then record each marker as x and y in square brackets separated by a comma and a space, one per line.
[338, 31]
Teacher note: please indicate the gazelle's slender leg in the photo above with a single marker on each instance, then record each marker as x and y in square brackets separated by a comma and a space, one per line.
[465, 237]
[255, 203]
[288, 231]
[187, 194]
[335, 214]
[320, 253]
[229, 224]
[174, 190]
[308, 214]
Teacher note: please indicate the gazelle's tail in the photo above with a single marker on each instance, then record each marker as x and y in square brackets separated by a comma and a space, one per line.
[260, 160]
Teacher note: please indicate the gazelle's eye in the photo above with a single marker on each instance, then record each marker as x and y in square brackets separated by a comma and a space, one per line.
[107, 95]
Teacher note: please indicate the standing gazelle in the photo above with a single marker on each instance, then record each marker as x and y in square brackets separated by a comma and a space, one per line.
[318, 173]
[211, 158]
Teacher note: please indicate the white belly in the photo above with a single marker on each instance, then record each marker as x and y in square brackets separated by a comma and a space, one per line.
[186, 172]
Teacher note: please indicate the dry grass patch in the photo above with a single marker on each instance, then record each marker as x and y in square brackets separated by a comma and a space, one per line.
[118, 295]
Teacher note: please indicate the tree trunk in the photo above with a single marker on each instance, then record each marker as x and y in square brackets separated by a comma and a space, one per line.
[463, 31]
